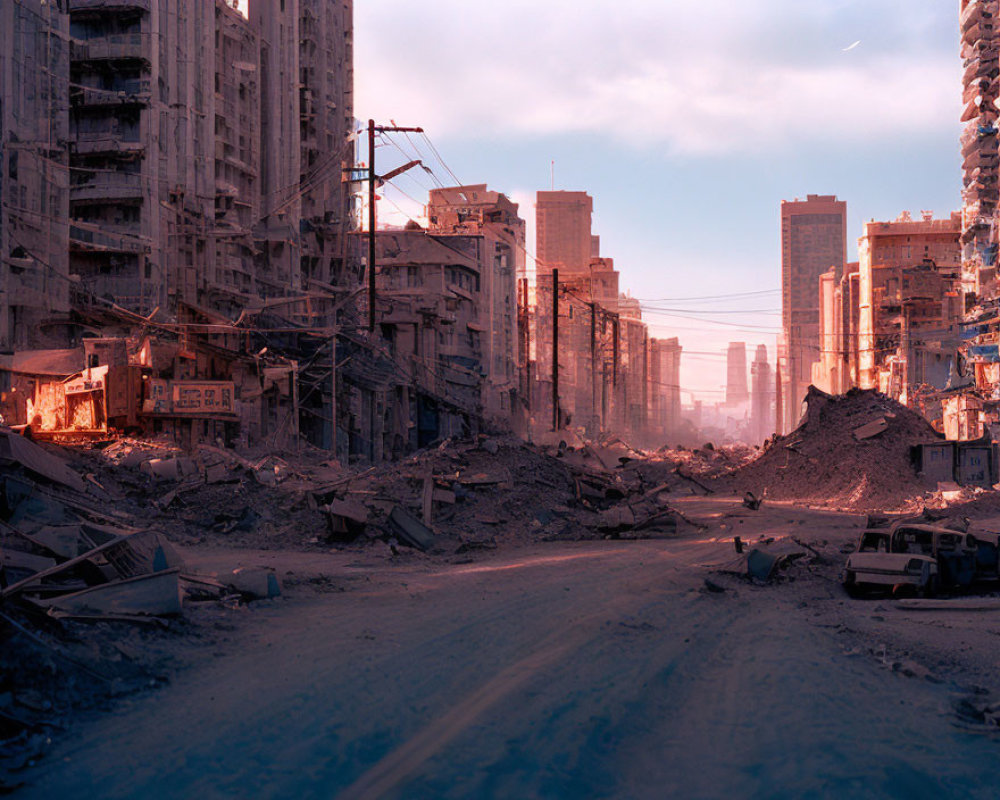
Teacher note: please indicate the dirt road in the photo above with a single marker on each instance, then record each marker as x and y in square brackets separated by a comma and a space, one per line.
[564, 670]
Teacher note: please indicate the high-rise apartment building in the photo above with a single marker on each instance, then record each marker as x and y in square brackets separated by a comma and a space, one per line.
[664, 387]
[813, 239]
[736, 374]
[306, 46]
[563, 238]
[191, 155]
[980, 154]
[761, 397]
[34, 172]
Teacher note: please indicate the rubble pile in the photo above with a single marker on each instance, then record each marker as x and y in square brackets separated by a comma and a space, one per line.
[92, 593]
[490, 492]
[852, 452]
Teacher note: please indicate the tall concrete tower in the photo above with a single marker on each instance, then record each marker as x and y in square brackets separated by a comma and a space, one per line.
[761, 394]
[813, 239]
[563, 237]
[980, 193]
[736, 374]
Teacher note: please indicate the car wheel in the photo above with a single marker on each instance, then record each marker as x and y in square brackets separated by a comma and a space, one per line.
[851, 582]
[931, 587]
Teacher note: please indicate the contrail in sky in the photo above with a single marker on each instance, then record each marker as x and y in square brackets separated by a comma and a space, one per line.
[851, 47]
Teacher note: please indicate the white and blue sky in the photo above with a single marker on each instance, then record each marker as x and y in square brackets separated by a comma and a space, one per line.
[688, 121]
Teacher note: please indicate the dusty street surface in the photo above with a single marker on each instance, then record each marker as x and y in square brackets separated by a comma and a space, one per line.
[563, 669]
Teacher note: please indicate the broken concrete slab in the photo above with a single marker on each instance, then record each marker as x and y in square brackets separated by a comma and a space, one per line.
[873, 428]
[761, 564]
[20, 561]
[36, 460]
[410, 529]
[254, 582]
[157, 594]
[350, 510]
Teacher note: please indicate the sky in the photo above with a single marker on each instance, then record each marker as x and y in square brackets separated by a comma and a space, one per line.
[687, 121]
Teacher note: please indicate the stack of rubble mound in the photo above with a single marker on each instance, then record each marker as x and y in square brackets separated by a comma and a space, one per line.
[499, 492]
[852, 452]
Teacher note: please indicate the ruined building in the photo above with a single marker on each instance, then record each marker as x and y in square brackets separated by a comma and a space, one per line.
[447, 308]
[178, 165]
[910, 302]
[34, 173]
[813, 239]
[974, 405]
[980, 155]
[610, 375]
[306, 84]
[199, 152]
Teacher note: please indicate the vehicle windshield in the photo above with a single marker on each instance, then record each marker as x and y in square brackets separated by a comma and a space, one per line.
[874, 542]
[917, 542]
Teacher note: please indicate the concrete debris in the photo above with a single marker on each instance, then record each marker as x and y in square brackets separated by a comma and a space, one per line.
[411, 530]
[156, 594]
[764, 561]
[256, 584]
[37, 462]
[751, 501]
[873, 428]
[824, 464]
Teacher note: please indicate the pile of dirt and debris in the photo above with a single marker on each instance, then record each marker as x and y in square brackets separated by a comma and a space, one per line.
[499, 491]
[852, 452]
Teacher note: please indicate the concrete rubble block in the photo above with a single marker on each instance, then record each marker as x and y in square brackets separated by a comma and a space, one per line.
[873, 428]
[411, 530]
[500, 477]
[255, 582]
[216, 473]
[266, 476]
[156, 594]
[443, 496]
[37, 460]
[133, 459]
[764, 560]
[166, 469]
[350, 510]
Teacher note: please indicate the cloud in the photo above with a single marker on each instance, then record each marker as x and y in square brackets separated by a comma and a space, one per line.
[673, 76]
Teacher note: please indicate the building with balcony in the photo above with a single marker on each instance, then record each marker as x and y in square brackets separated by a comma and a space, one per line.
[34, 175]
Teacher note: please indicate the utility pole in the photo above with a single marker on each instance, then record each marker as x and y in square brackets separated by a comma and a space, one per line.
[644, 418]
[904, 346]
[526, 318]
[372, 178]
[778, 410]
[555, 349]
[614, 353]
[617, 419]
[593, 367]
